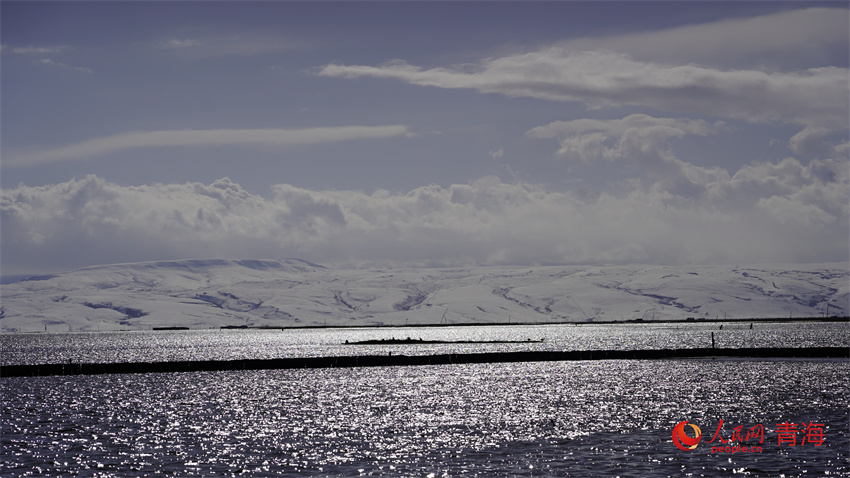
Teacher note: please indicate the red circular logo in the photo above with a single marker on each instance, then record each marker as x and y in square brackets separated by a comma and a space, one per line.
[682, 440]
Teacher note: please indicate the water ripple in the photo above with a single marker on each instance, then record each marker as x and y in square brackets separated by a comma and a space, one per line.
[528, 419]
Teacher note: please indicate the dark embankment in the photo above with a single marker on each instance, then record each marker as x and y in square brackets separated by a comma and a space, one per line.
[409, 341]
[401, 360]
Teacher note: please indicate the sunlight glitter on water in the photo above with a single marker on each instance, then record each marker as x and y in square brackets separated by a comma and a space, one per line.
[530, 419]
[143, 346]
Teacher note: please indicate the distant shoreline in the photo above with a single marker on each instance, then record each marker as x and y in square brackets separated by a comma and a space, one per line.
[167, 328]
[490, 324]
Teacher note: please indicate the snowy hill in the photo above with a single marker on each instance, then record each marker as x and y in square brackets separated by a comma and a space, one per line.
[292, 292]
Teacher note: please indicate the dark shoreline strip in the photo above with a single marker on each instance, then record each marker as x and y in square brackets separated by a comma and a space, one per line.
[420, 341]
[406, 360]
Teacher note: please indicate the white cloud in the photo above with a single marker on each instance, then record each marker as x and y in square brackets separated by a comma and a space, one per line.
[617, 127]
[822, 184]
[641, 139]
[786, 40]
[778, 67]
[766, 212]
[814, 97]
[635, 134]
[146, 139]
[811, 141]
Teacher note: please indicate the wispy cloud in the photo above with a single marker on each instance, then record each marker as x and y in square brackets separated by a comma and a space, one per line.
[679, 70]
[815, 97]
[180, 43]
[789, 40]
[37, 50]
[44, 55]
[59, 64]
[174, 138]
[224, 45]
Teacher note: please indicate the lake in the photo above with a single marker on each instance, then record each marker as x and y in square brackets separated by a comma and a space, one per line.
[583, 418]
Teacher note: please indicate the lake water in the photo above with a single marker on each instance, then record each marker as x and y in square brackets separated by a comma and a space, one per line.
[215, 344]
[593, 418]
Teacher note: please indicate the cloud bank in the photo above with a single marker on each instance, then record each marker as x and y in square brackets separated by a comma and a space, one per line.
[211, 137]
[766, 212]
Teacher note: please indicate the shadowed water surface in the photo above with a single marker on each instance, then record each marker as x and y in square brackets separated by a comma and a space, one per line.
[603, 418]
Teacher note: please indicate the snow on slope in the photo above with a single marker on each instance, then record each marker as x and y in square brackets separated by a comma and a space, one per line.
[291, 292]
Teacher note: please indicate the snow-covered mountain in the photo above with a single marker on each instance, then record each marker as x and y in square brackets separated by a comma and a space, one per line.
[292, 292]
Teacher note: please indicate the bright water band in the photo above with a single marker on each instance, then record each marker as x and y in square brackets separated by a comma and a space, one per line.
[215, 344]
[402, 360]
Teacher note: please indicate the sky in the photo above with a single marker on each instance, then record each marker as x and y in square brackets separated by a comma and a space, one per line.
[396, 134]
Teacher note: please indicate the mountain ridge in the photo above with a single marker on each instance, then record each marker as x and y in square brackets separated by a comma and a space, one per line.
[293, 292]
